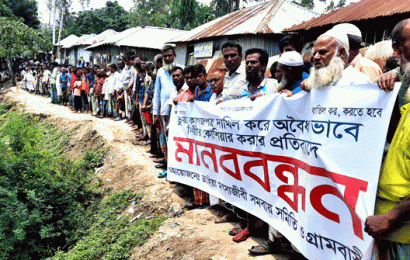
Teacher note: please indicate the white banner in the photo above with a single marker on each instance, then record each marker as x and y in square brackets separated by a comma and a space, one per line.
[308, 165]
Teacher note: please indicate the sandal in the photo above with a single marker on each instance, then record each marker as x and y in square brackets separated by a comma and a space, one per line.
[259, 250]
[242, 236]
[162, 174]
[192, 205]
[224, 219]
[235, 231]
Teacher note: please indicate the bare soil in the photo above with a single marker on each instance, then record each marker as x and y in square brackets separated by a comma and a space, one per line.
[186, 234]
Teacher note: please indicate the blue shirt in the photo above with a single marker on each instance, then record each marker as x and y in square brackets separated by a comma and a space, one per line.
[164, 87]
[296, 87]
[141, 92]
[65, 77]
[90, 80]
[206, 95]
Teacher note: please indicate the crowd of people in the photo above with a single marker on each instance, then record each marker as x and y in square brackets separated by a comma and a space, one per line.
[142, 93]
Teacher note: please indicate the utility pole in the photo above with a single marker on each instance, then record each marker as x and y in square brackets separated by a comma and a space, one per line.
[54, 21]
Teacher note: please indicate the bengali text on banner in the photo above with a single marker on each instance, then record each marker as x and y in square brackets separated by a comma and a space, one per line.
[307, 165]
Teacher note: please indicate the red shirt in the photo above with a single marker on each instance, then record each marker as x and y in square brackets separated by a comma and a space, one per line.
[185, 95]
[99, 82]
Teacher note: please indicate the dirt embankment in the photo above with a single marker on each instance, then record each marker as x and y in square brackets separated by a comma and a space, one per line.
[186, 234]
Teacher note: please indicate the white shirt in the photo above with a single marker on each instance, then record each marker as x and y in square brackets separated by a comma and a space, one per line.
[235, 84]
[350, 76]
[46, 76]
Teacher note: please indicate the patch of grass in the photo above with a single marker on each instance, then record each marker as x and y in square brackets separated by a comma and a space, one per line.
[112, 237]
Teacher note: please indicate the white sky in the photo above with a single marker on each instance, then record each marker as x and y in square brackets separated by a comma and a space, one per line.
[44, 14]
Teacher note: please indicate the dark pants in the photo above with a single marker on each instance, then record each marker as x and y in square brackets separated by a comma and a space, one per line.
[78, 103]
[155, 149]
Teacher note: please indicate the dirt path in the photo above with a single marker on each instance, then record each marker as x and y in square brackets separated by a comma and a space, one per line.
[186, 234]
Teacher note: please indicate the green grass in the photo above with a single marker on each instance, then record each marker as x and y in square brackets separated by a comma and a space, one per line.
[112, 237]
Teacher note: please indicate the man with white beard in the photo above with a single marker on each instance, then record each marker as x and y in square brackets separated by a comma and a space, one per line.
[164, 87]
[329, 59]
[290, 66]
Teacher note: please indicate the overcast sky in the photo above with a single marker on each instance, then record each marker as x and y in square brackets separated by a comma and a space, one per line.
[128, 4]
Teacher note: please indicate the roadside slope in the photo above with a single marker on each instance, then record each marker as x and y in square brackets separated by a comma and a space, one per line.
[186, 234]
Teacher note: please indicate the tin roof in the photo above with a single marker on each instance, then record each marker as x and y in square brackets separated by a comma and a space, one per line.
[113, 39]
[272, 16]
[99, 38]
[150, 37]
[365, 9]
[68, 42]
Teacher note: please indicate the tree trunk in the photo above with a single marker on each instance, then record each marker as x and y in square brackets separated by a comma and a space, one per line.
[237, 3]
[61, 23]
[54, 22]
[13, 79]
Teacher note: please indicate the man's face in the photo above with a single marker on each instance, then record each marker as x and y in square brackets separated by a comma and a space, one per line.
[253, 67]
[177, 78]
[288, 48]
[323, 51]
[403, 48]
[149, 71]
[283, 72]
[278, 73]
[201, 79]
[190, 80]
[143, 64]
[217, 82]
[168, 56]
[232, 59]
[121, 64]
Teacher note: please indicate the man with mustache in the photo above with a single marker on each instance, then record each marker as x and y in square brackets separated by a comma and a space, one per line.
[164, 87]
[235, 78]
[290, 66]
[256, 61]
[390, 224]
[330, 59]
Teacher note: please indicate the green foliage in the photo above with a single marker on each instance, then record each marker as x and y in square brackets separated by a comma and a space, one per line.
[25, 9]
[150, 13]
[112, 16]
[44, 197]
[17, 38]
[309, 4]
[333, 6]
[111, 237]
[188, 14]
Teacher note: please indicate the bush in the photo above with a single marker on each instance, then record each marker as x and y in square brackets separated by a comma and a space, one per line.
[44, 197]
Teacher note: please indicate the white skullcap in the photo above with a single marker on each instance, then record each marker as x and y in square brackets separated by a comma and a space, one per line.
[340, 36]
[348, 28]
[291, 58]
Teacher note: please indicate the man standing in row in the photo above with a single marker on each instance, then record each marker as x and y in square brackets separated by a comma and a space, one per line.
[164, 87]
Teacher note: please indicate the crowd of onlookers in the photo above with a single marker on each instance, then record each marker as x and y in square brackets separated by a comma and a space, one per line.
[142, 93]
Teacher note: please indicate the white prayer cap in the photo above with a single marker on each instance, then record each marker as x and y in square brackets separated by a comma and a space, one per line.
[340, 36]
[291, 58]
[349, 28]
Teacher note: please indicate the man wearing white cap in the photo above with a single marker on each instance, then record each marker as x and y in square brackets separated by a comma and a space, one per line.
[290, 66]
[360, 63]
[329, 59]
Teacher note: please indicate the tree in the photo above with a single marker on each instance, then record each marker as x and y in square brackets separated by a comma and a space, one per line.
[188, 14]
[222, 7]
[150, 13]
[112, 16]
[310, 4]
[26, 9]
[333, 6]
[17, 38]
